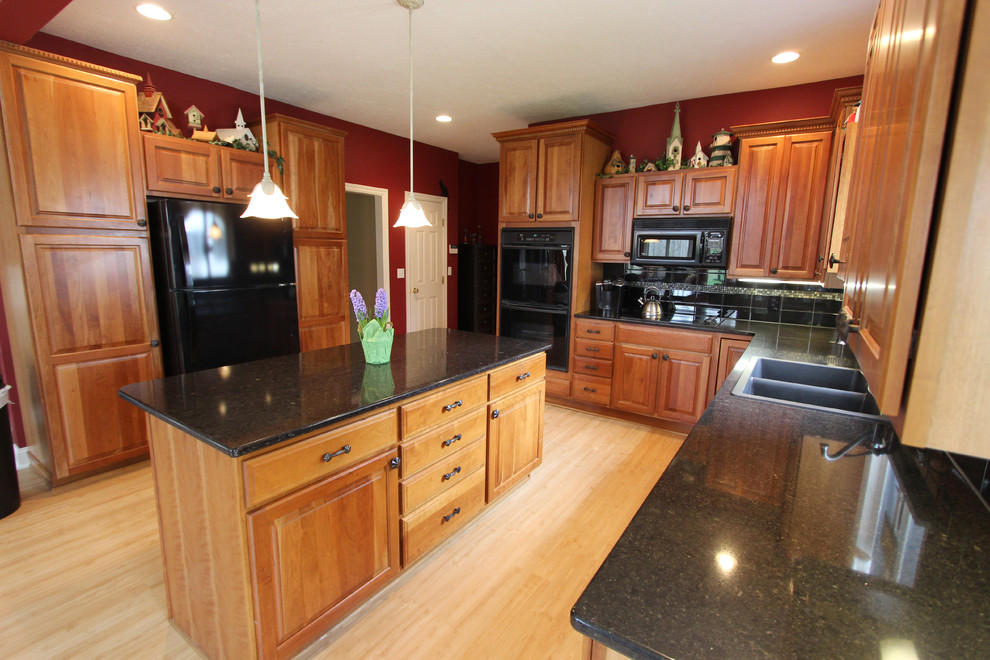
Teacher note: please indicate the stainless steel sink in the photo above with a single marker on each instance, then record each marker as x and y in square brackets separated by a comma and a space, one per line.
[836, 389]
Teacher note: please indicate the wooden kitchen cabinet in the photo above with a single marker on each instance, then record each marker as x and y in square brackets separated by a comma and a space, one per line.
[545, 171]
[730, 349]
[321, 292]
[81, 172]
[77, 286]
[687, 192]
[515, 438]
[614, 199]
[176, 166]
[635, 378]
[313, 177]
[320, 552]
[683, 389]
[779, 201]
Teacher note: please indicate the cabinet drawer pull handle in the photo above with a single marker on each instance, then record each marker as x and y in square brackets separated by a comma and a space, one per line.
[451, 406]
[449, 441]
[447, 517]
[595, 332]
[593, 349]
[327, 457]
[593, 367]
[456, 470]
[495, 414]
[590, 389]
[523, 376]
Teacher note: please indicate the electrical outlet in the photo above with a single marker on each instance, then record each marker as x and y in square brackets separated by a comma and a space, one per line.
[400, 273]
[450, 271]
[21, 458]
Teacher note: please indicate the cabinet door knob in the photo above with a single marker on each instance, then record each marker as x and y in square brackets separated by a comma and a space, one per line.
[675, 208]
[216, 189]
[539, 215]
[229, 191]
[832, 261]
[327, 457]
[655, 356]
[495, 414]
[155, 343]
[395, 463]
[451, 406]
[451, 514]
[530, 216]
[687, 207]
[626, 254]
[450, 474]
[773, 271]
[449, 441]
[666, 357]
[142, 222]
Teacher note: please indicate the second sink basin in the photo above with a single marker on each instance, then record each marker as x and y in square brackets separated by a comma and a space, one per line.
[837, 389]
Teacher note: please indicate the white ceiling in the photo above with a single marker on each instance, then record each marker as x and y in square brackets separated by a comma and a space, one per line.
[495, 65]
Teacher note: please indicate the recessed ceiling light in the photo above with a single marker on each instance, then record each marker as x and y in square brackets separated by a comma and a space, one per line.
[785, 57]
[443, 119]
[154, 12]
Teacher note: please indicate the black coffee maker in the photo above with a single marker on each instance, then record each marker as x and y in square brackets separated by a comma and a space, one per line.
[608, 297]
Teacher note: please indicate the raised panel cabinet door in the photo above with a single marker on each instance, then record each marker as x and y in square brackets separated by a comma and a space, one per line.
[905, 111]
[240, 172]
[515, 438]
[321, 292]
[517, 180]
[756, 206]
[318, 553]
[635, 375]
[314, 177]
[174, 165]
[709, 191]
[559, 180]
[683, 386]
[74, 154]
[658, 194]
[800, 205]
[729, 352]
[614, 200]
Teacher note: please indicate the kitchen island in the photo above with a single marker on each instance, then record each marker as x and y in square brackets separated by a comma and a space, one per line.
[290, 490]
[752, 545]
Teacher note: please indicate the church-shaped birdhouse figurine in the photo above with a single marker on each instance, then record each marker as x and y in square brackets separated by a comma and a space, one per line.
[675, 143]
[194, 117]
[153, 112]
[240, 133]
[699, 159]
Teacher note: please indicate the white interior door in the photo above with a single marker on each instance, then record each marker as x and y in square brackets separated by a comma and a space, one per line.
[426, 268]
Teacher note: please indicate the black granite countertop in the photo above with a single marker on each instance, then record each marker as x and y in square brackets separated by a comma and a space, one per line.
[245, 407]
[752, 545]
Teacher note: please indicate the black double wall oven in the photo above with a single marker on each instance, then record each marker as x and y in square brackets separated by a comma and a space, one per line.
[535, 288]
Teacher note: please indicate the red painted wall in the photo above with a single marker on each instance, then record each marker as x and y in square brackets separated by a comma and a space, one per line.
[372, 157]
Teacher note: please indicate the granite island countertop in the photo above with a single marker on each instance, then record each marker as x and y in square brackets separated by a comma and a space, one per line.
[245, 407]
[752, 545]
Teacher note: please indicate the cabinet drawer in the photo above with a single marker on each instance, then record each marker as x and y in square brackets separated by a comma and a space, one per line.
[517, 375]
[442, 475]
[592, 367]
[592, 390]
[591, 348]
[442, 441]
[559, 386]
[698, 341]
[285, 470]
[601, 330]
[449, 403]
[442, 516]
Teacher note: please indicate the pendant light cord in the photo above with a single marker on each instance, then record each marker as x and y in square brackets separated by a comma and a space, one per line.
[412, 194]
[261, 86]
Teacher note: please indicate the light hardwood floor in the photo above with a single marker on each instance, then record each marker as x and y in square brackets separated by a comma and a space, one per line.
[81, 574]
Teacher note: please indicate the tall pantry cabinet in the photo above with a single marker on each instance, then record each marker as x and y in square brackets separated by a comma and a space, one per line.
[77, 286]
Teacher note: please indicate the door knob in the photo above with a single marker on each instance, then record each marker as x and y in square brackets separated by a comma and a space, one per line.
[415, 290]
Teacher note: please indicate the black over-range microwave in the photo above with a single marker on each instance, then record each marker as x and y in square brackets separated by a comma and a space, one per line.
[699, 242]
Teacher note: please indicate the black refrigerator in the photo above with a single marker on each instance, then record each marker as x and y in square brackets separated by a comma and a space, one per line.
[225, 285]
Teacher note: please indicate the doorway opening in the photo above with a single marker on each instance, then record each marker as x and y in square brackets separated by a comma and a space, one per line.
[367, 242]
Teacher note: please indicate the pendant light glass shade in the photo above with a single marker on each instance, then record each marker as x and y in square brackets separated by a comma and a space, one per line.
[411, 215]
[267, 200]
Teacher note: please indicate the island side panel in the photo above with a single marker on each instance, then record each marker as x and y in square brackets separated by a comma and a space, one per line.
[202, 523]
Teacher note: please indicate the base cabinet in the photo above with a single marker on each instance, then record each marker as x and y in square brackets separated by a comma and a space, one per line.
[515, 438]
[320, 552]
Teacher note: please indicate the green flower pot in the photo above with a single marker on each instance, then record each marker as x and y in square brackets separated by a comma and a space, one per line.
[377, 343]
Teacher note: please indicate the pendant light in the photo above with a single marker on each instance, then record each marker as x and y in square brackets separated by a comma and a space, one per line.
[411, 215]
[267, 201]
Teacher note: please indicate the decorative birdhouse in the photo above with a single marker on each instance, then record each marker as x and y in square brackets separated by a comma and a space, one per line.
[205, 135]
[240, 133]
[194, 117]
[699, 159]
[153, 112]
[615, 164]
[721, 149]
[675, 143]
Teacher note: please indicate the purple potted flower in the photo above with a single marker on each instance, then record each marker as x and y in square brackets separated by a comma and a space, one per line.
[376, 331]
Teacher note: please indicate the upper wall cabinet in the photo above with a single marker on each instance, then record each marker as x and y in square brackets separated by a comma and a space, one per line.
[313, 177]
[613, 217]
[703, 191]
[780, 195]
[175, 166]
[73, 141]
[545, 170]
